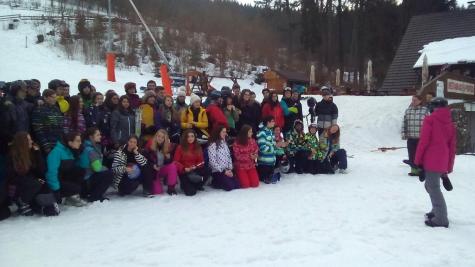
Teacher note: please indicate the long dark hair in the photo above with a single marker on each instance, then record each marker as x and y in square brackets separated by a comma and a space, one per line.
[74, 110]
[184, 142]
[241, 98]
[20, 153]
[272, 103]
[108, 102]
[243, 137]
[121, 108]
[215, 135]
[94, 96]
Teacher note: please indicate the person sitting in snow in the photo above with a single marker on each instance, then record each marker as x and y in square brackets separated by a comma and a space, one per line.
[266, 158]
[298, 150]
[330, 144]
[280, 150]
[313, 164]
[220, 161]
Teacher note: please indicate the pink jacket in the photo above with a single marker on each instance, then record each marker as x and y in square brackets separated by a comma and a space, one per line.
[437, 143]
[242, 155]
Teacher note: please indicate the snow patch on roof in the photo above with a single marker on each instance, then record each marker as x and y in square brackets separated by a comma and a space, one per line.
[448, 51]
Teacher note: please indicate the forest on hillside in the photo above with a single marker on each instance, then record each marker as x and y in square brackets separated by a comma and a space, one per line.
[286, 34]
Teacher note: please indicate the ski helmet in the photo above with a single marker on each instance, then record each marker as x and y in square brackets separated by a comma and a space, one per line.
[311, 102]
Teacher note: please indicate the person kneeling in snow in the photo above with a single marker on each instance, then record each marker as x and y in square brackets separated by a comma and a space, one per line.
[298, 150]
[190, 163]
[220, 161]
[330, 144]
[313, 163]
[266, 142]
[245, 154]
[131, 169]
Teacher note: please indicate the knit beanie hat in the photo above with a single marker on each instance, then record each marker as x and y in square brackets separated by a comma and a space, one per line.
[83, 84]
[194, 98]
[181, 91]
[130, 85]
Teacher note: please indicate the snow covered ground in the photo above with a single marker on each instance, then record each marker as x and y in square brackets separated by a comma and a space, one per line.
[372, 216]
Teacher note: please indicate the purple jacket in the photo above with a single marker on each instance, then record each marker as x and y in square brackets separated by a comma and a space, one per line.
[437, 143]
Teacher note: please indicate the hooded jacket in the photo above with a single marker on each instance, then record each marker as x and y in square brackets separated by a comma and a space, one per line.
[122, 126]
[91, 159]
[266, 143]
[59, 160]
[327, 113]
[47, 124]
[219, 157]
[276, 111]
[242, 154]
[437, 144]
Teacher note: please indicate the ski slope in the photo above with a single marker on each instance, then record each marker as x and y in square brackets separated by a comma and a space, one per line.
[372, 216]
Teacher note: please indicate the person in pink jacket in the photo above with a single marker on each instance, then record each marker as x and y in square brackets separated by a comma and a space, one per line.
[435, 155]
[245, 152]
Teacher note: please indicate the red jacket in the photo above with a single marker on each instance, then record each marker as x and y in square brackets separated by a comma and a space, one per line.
[216, 116]
[277, 112]
[187, 159]
[437, 143]
[242, 155]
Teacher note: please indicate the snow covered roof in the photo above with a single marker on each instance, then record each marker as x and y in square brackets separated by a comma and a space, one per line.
[448, 51]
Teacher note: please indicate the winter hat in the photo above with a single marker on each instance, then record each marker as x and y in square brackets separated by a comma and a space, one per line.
[313, 125]
[147, 95]
[287, 89]
[181, 91]
[83, 84]
[298, 122]
[194, 98]
[225, 91]
[265, 90]
[325, 90]
[215, 95]
[130, 85]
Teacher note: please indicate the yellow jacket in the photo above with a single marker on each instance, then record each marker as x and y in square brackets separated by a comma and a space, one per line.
[148, 115]
[187, 118]
[63, 104]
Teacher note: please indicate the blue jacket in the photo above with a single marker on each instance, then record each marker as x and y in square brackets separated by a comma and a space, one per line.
[91, 159]
[55, 158]
[266, 143]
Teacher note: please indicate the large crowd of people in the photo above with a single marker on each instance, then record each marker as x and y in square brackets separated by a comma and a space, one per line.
[61, 149]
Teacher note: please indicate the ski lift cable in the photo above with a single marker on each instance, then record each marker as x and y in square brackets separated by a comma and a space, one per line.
[157, 47]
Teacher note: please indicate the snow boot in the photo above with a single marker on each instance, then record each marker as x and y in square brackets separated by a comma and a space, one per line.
[343, 171]
[74, 201]
[51, 210]
[171, 190]
[414, 172]
[446, 182]
[275, 178]
[24, 209]
[431, 223]
[429, 215]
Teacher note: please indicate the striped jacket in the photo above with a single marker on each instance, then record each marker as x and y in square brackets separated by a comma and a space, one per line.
[266, 143]
[412, 123]
[119, 164]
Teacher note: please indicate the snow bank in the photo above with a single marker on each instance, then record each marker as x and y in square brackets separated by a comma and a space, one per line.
[372, 216]
[448, 51]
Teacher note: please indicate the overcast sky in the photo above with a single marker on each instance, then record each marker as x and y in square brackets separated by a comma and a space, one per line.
[460, 2]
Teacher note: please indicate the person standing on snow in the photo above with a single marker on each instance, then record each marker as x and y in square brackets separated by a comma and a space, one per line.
[411, 128]
[436, 155]
[326, 111]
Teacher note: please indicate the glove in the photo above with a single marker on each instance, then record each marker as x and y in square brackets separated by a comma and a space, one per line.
[446, 182]
[293, 110]
[422, 173]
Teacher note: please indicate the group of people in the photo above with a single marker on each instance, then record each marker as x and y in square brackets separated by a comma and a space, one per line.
[58, 148]
[431, 143]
